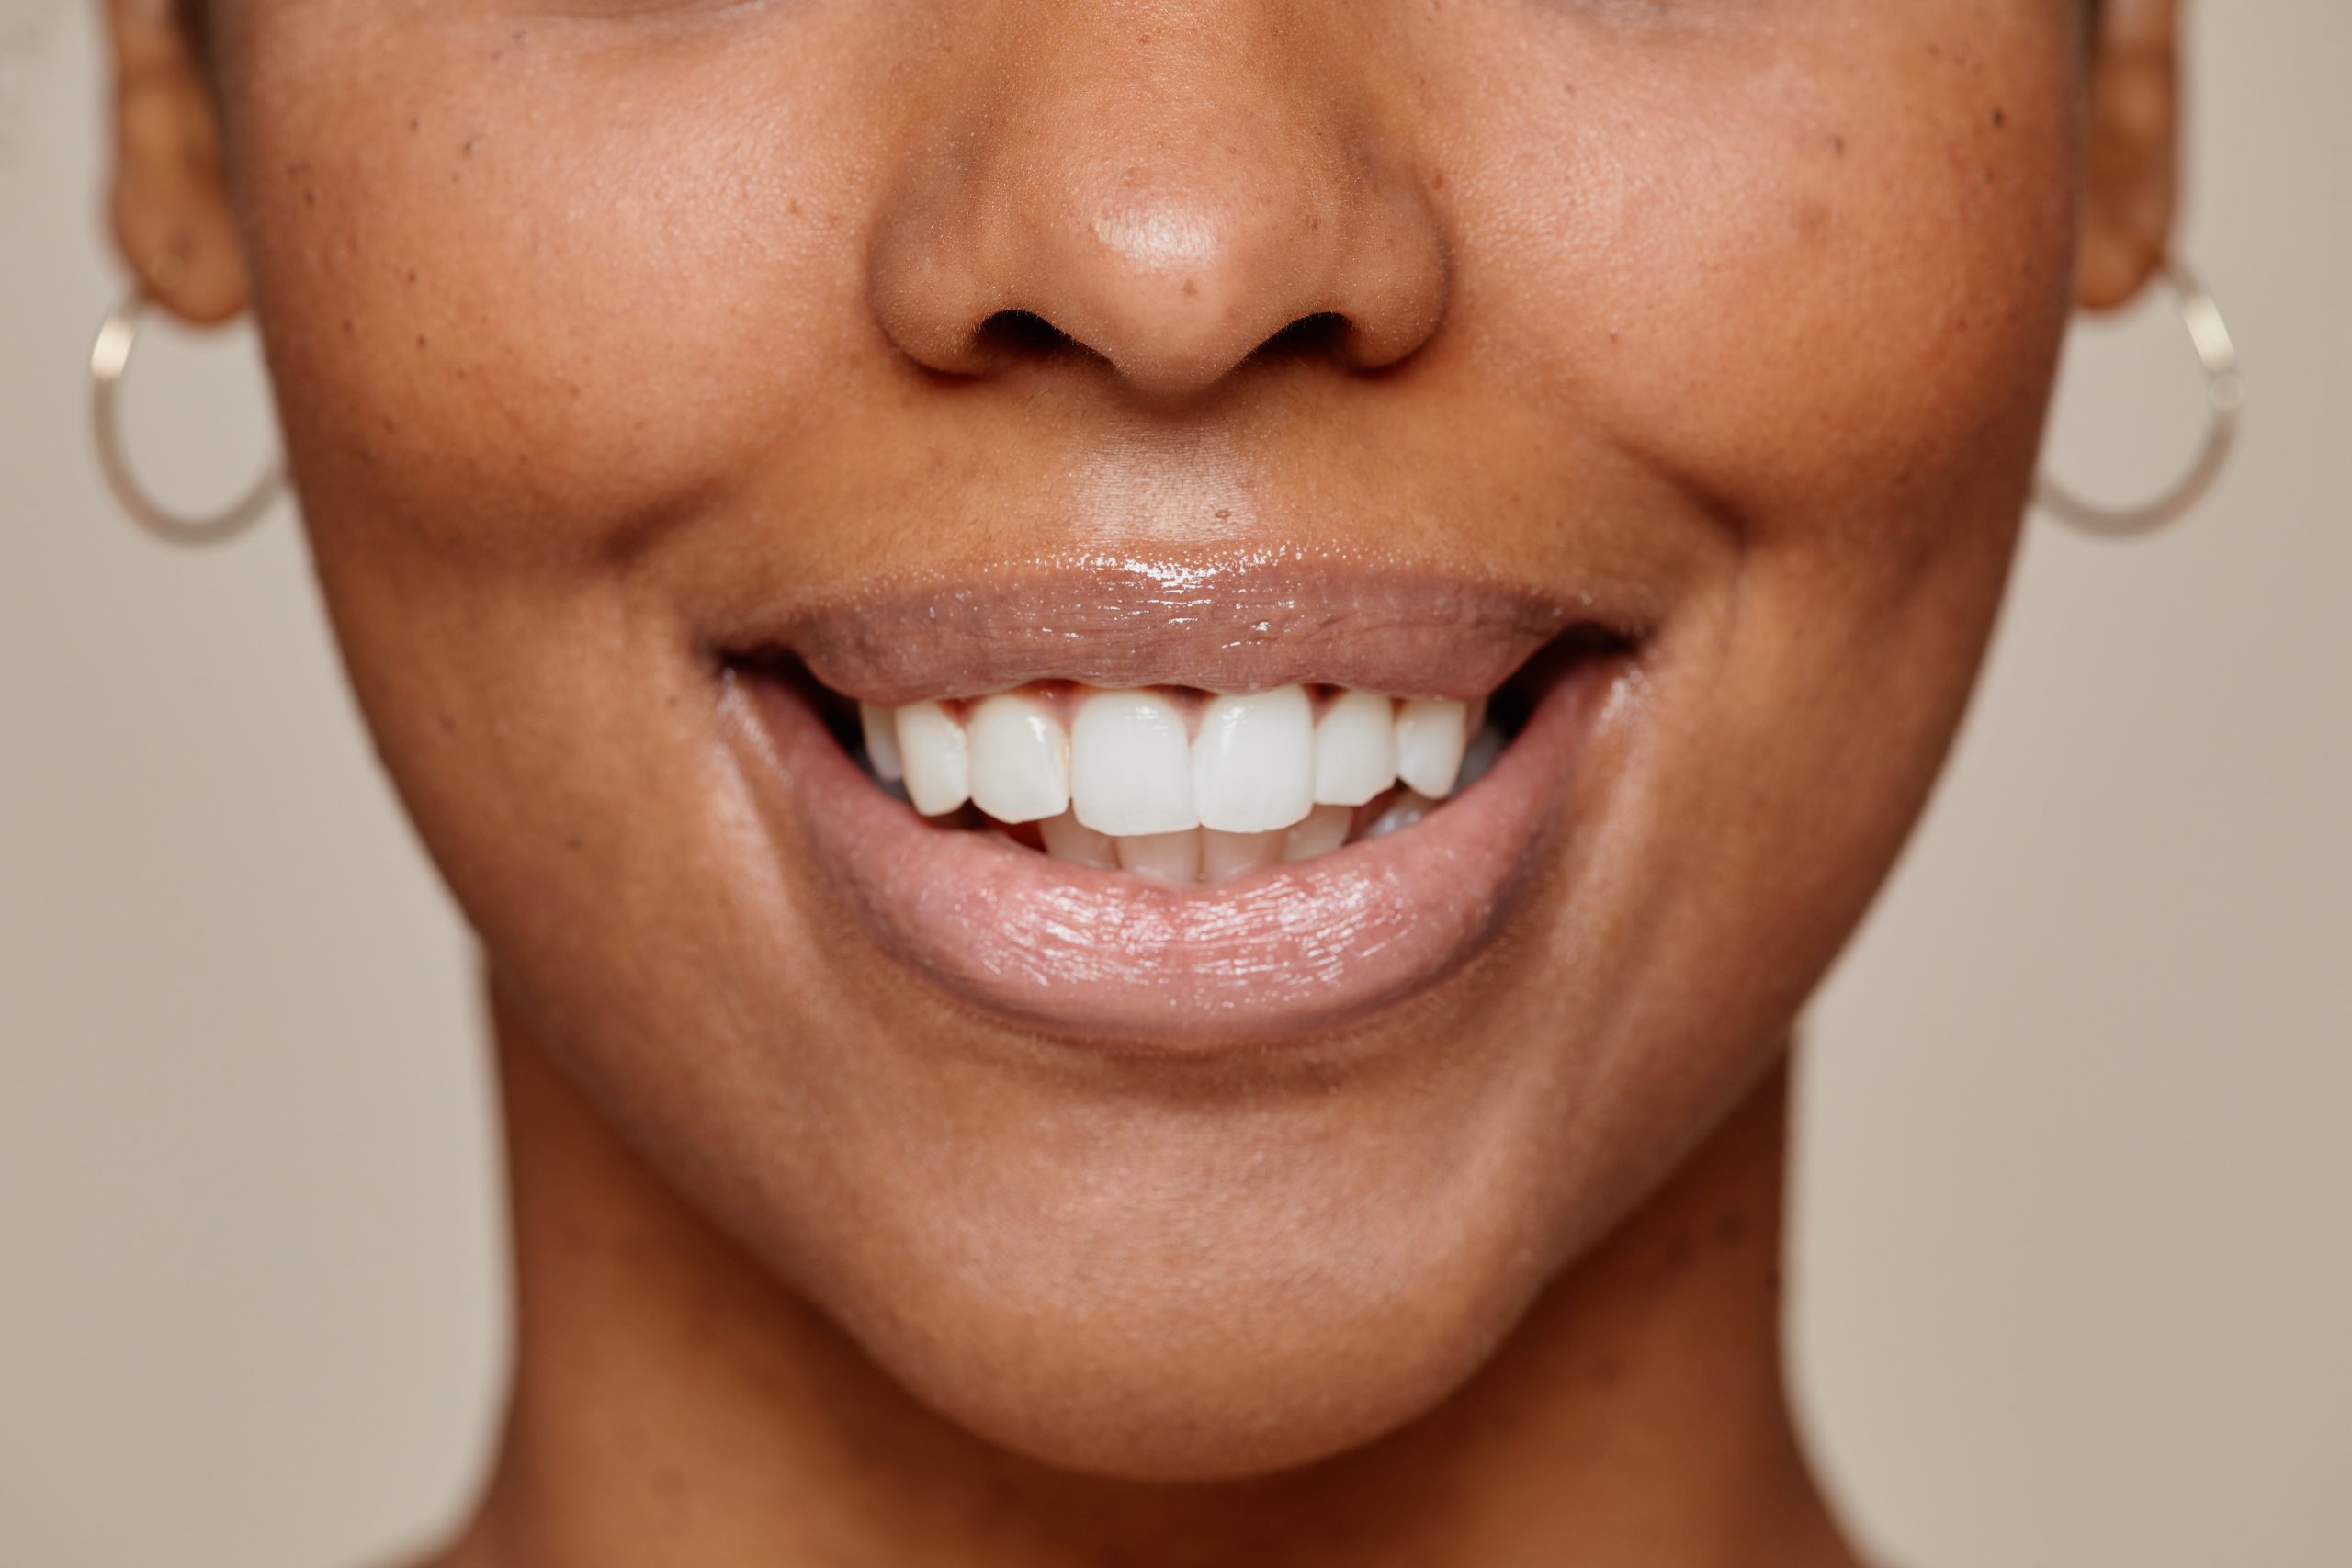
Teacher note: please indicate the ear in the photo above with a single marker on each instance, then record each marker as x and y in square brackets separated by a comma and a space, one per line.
[170, 203]
[2133, 172]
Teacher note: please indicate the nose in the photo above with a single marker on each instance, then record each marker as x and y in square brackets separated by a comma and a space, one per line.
[1173, 188]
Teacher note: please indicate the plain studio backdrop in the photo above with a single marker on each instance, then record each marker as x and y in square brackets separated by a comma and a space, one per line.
[2072, 1267]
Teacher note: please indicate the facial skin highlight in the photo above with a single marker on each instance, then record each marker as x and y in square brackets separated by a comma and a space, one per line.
[603, 334]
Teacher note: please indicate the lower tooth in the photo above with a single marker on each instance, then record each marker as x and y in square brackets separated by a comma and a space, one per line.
[1323, 829]
[1403, 811]
[1164, 857]
[1068, 838]
[1225, 856]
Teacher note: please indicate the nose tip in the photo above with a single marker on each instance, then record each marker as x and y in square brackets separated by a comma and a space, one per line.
[1170, 246]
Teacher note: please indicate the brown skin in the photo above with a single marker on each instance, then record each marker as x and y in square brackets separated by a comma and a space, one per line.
[595, 326]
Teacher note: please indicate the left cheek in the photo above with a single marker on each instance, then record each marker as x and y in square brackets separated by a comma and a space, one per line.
[1822, 291]
[1872, 349]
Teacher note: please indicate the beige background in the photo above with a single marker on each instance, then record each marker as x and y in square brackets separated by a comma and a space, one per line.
[2073, 1265]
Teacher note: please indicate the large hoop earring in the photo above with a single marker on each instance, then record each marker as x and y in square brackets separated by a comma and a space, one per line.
[109, 356]
[2224, 390]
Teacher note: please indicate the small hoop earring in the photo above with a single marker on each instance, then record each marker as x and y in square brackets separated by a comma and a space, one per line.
[2224, 390]
[109, 356]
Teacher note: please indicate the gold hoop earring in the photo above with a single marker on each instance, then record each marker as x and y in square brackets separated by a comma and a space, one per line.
[109, 356]
[2224, 391]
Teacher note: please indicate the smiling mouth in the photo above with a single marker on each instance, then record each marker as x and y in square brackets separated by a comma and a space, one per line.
[1124, 805]
[1176, 784]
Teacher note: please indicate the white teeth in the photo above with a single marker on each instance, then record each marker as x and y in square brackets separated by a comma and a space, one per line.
[1325, 829]
[1356, 749]
[1225, 856]
[1430, 736]
[1130, 769]
[1164, 857]
[1068, 839]
[1403, 812]
[1258, 782]
[1020, 758]
[937, 759]
[1253, 762]
[881, 730]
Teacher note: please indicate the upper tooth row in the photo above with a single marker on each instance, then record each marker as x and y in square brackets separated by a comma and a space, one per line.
[1129, 764]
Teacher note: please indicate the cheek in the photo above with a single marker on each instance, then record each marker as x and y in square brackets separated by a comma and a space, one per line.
[1814, 278]
[526, 284]
[1816, 273]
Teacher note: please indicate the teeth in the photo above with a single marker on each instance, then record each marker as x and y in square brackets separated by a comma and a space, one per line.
[1356, 749]
[1225, 856]
[1020, 758]
[1324, 829]
[1130, 772]
[1068, 839]
[881, 728]
[933, 750]
[1253, 762]
[1129, 783]
[1403, 812]
[1430, 735]
[1164, 857]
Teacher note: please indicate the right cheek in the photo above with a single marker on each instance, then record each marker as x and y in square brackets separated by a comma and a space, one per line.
[508, 329]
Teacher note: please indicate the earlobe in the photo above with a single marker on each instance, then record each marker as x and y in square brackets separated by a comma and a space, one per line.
[170, 205]
[2131, 181]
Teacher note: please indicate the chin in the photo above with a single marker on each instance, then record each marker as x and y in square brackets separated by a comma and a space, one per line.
[1257, 1366]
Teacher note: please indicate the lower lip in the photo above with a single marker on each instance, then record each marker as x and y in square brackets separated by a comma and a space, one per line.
[1110, 958]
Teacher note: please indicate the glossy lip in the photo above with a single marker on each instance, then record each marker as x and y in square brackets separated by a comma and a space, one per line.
[1233, 621]
[1109, 958]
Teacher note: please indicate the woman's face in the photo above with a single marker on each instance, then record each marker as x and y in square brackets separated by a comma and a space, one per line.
[1687, 359]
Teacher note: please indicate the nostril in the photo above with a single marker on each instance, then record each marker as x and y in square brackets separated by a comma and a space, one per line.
[1023, 334]
[1322, 336]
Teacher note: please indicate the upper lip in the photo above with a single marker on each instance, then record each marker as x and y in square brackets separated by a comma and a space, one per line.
[1232, 620]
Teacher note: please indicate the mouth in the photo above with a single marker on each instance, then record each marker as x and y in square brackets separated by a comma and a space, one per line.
[1178, 809]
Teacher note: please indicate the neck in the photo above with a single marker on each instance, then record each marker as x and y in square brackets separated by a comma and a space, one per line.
[672, 1404]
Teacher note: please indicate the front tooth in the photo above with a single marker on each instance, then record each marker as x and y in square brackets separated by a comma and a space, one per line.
[1068, 838]
[1225, 856]
[1253, 762]
[1325, 829]
[1020, 758]
[881, 742]
[1164, 857]
[1430, 735]
[936, 756]
[1356, 749]
[1130, 769]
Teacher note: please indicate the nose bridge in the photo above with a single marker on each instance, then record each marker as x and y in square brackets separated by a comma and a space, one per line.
[1168, 185]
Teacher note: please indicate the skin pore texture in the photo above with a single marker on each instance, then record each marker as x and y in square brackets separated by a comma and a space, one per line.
[619, 344]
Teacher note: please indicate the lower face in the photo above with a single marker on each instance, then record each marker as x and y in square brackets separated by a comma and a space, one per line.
[1182, 1089]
